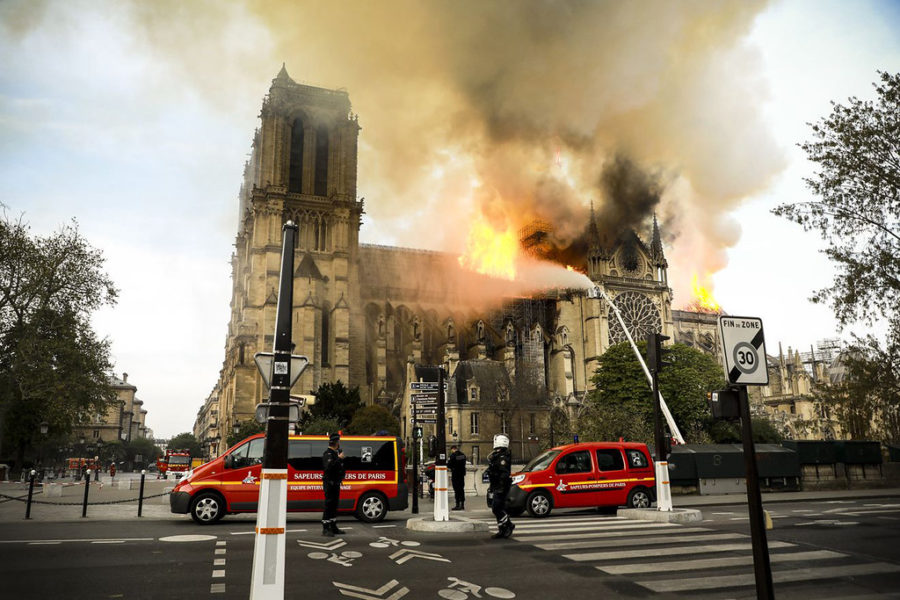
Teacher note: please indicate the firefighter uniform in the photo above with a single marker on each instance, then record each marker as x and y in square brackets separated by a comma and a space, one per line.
[332, 476]
[499, 467]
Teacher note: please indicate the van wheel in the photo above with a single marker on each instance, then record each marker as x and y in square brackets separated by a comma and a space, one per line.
[539, 504]
[372, 508]
[207, 508]
[639, 498]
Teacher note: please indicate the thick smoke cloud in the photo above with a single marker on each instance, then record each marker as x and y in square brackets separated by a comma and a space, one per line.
[508, 110]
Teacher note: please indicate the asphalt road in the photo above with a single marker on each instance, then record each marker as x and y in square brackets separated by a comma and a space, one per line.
[820, 550]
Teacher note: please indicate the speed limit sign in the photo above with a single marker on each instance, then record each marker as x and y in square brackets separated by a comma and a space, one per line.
[744, 346]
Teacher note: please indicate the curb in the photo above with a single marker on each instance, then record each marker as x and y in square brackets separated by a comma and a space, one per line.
[454, 525]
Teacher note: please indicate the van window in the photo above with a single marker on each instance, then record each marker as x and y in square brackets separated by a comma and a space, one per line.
[610, 459]
[306, 455]
[541, 462]
[368, 455]
[637, 459]
[249, 454]
[575, 462]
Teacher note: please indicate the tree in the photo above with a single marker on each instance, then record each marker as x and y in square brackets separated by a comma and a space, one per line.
[321, 426]
[245, 430]
[372, 419]
[621, 403]
[53, 367]
[865, 401]
[334, 401]
[186, 441]
[857, 152]
[726, 432]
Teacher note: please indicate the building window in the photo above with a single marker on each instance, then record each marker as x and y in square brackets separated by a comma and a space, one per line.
[296, 169]
[96, 433]
[531, 423]
[473, 423]
[325, 335]
[476, 455]
[450, 423]
[474, 394]
[321, 162]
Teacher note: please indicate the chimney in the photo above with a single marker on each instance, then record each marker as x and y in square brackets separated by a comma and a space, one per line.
[125, 377]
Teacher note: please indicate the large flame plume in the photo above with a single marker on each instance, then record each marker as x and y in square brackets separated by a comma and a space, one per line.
[703, 299]
[491, 252]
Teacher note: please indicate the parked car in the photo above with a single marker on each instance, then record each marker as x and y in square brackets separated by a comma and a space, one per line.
[591, 474]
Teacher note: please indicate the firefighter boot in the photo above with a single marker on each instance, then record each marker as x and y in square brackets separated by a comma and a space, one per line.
[334, 528]
[509, 529]
[501, 531]
[326, 529]
[457, 507]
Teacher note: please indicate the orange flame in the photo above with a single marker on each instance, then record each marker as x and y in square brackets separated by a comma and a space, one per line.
[491, 252]
[703, 294]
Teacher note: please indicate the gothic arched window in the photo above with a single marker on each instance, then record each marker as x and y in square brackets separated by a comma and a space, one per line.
[295, 180]
[321, 187]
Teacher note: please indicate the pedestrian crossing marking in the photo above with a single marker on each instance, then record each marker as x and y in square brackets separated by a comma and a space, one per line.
[669, 551]
[606, 534]
[713, 563]
[787, 576]
[617, 543]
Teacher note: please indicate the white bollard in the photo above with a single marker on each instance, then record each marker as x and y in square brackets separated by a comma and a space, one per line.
[267, 576]
[663, 489]
[441, 497]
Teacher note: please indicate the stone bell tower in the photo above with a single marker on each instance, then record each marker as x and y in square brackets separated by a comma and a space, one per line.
[302, 168]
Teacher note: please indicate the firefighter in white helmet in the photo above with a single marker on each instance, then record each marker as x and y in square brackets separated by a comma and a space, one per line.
[499, 464]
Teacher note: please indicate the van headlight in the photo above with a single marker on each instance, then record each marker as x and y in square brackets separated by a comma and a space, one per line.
[518, 479]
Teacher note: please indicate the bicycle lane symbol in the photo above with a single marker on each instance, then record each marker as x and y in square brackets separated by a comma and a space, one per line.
[461, 590]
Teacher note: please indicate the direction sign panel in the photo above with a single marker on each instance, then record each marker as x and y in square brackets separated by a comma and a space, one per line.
[425, 385]
[425, 411]
[744, 347]
[426, 420]
[419, 398]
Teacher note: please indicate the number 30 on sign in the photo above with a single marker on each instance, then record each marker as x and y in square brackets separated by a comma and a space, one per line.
[744, 349]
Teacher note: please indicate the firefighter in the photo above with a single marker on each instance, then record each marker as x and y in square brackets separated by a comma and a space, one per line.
[332, 476]
[499, 474]
[457, 464]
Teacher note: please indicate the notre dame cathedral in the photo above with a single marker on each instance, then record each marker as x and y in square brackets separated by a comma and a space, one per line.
[368, 315]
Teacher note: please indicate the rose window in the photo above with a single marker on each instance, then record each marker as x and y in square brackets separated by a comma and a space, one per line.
[639, 313]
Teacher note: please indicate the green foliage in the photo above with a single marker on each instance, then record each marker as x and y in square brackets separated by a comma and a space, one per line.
[143, 447]
[857, 213]
[53, 367]
[334, 401]
[866, 400]
[245, 430]
[186, 441]
[727, 432]
[621, 405]
[372, 419]
[321, 426]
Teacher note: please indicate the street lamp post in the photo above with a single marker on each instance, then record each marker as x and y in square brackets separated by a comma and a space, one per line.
[44, 428]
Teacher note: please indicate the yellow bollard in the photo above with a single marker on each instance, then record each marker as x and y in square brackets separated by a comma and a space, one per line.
[768, 519]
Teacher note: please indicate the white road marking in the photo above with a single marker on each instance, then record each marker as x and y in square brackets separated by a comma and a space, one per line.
[221, 543]
[217, 588]
[724, 513]
[220, 551]
[675, 539]
[44, 543]
[604, 534]
[218, 573]
[739, 519]
[219, 562]
[187, 538]
[377, 526]
[697, 564]
[803, 510]
[668, 551]
[890, 518]
[110, 542]
[708, 583]
[78, 540]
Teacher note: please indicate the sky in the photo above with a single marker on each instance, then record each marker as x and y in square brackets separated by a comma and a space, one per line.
[135, 119]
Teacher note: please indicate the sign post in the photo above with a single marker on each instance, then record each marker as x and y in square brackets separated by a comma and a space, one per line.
[267, 578]
[744, 348]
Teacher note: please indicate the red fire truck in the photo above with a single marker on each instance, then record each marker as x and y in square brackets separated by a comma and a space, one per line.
[175, 463]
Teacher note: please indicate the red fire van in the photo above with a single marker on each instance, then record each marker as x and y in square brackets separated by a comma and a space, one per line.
[375, 481]
[591, 474]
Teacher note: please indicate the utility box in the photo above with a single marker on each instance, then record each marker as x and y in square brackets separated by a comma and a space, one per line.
[725, 404]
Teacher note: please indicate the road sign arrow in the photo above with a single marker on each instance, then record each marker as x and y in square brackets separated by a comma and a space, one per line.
[367, 594]
[320, 546]
[402, 556]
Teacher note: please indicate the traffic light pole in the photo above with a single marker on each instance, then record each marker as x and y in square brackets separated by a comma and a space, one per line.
[415, 464]
[267, 580]
[663, 489]
[762, 569]
[441, 497]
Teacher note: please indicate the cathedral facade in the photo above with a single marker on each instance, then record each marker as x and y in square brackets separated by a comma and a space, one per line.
[369, 315]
